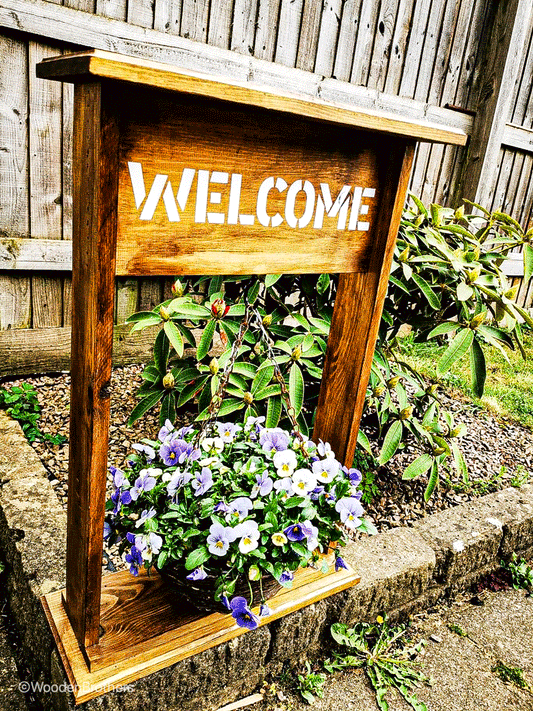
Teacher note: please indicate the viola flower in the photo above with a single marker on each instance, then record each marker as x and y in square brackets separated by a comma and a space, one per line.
[264, 610]
[184, 431]
[244, 617]
[144, 482]
[165, 431]
[145, 516]
[149, 545]
[350, 511]
[303, 482]
[213, 444]
[324, 449]
[134, 558]
[119, 478]
[254, 423]
[107, 530]
[221, 508]
[263, 486]
[286, 578]
[295, 532]
[354, 475]
[330, 496]
[177, 481]
[227, 431]
[317, 492]
[176, 451]
[273, 440]
[145, 449]
[219, 539]
[279, 538]
[203, 481]
[311, 533]
[239, 508]
[326, 470]
[339, 564]
[284, 485]
[285, 462]
[225, 601]
[197, 574]
[249, 534]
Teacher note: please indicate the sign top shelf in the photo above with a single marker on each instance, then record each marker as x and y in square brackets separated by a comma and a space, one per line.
[87, 66]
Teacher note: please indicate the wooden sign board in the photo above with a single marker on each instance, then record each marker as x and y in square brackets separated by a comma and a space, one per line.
[178, 173]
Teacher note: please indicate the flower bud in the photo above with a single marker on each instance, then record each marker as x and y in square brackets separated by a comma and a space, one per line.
[178, 289]
[267, 320]
[254, 573]
[296, 353]
[438, 450]
[404, 256]
[477, 320]
[393, 382]
[164, 313]
[248, 397]
[455, 432]
[168, 381]
[219, 308]
[406, 413]
[378, 391]
[213, 366]
[472, 275]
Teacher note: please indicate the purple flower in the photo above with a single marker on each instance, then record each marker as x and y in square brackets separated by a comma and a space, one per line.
[203, 481]
[239, 508]
[339, 563]
[331, 496]
[227, 431]
[273, 440]
[264, 610]
[286, 578]
[107, 530]
[326, 470]
[219, 539]
[311, 533]
[164, 432]
[197, 574]
[178, 480]
[284, 485]
[184, 431]
[225, 601]
[222, 508]
[244, 617]
[295, 532]
[145, 449]
[118, 477]
[176, 451]
[134, 558]
[144, 482]
[350, 511]
[263, 486]
[354, 475]
[145, 516]
[317, 491]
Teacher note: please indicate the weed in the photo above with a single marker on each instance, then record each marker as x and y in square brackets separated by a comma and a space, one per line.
[511, 675]
[478, 487]
[521, 572]
[457, 629]
[21, 403]
[310, 684]
[388, 661]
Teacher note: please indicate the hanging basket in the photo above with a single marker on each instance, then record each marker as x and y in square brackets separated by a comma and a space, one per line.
[201, 593]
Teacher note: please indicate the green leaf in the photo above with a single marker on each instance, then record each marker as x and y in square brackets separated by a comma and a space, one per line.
[391, 442]
[175, 337]
[460, 463]
[269, 391]
[253, 292]
[443, 328]
[478, 368]
[456, 350]
[161, 351]
[273, 411]
[144, 405]
[140, 325]
[436, 214]
[215, 285]
[189, 391]
[236, 310]
[206, 340]
[192, 311]
[271, 279]
[168, 408]
[262, 378]
[247, 370]
[294, 501]
[528, 262]
[433, 480]
[431, 296]
[296, 388]
[420, 466]
[464, 291]
[228, 406]
[196, 557]
[323, 282]
[362, 441]
[143, 316]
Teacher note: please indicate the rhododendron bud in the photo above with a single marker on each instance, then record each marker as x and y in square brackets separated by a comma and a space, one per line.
[164, 313]
[168, 381]
[178, 289]
[267, 320]
[406, 413]
[219, 308]
[393, 382]
[213, 366]
[248, 398]
[472, 275]
[296, 353]
[478, 320]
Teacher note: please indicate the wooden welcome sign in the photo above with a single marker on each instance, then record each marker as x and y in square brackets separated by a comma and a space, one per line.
[178, 173]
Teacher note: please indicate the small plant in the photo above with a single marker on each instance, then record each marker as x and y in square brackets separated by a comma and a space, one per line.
[521, 573]
[311, 684]
[457, 629]
[21, 403]
[388, 663]
[511, 675]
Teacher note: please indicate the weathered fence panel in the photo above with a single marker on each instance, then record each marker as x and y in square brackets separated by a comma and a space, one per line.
[411, 56]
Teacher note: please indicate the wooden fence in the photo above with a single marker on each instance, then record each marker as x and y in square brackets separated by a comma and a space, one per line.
[467, 63]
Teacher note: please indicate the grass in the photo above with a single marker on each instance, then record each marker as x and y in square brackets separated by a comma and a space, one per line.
[508, 388]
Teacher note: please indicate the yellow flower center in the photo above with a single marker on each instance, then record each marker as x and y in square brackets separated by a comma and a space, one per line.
[219, 544]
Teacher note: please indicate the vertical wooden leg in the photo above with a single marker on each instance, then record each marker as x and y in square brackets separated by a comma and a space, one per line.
[356, 319]
[95, 192]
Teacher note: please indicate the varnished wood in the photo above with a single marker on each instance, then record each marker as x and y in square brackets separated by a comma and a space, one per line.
[95, 162]
[106, 65]
[356, 319]
[146, 629]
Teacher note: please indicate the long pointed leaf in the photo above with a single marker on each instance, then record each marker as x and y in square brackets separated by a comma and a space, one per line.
[478, 368]
[432, 298]
[420, 466]
[457, 348]
[296, 388]
[391, 442]
[175, 337]
[144, 405]
[273, 411]
[206, 340]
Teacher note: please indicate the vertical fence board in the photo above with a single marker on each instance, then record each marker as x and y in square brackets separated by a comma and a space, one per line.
[398, 47]
[415, 46]
[382, 49]
[195, 19]
[309, 34]
[15, 303]
[45, 129]
[220, 22]
[244, 20]
[167, 16]
[290, 18]
[267, 29]
[114, 9]
[327, 40]
[365, 42]
[140, 12]
[347, 38]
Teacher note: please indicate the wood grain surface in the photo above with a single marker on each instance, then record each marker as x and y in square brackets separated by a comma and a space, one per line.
[147, 629]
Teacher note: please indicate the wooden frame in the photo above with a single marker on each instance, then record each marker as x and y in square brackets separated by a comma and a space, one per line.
[126, 113]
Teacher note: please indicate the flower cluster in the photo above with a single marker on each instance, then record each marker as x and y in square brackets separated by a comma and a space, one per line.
[245, 502]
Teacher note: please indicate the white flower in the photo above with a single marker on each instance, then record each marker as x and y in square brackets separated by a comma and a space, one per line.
[279, 538]
[208, 461]
[324, 449]
[285, 462]
[303, 481]
[210, 443]
[326, 470]
[249, 534]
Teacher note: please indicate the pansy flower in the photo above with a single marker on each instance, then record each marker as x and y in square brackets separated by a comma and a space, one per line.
[203, 481]
[279, 538]
[295, 532]
[284, 486]
[227, 431]
[303, 482]
[239, 508]
[339, 564]
[263, 485]
[213, 444]
[219, 539]
[165, 431]
[145, 449]
[145, 515]
[242, 614]
[285, 462]
[273, 440]
[354, 475]
[135, 560]
[326, 470]
[324, 449]
[144, 482]
[350, 511]
[264, 610]
[178, 481]
[254, 423]
[197, 574]
[176, 451]
[286, 578]
[249, 534]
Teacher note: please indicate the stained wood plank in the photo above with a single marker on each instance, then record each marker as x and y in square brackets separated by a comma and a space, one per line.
[177, 634]
[267, 29]
[150, 293]
[309, 34]
[95, 206]
[195, 19]
[45, 131]
[148, 73]
[329, 32]
[290, 20]
[356, 319]
[66, 161]
[15, 297]
[25, 351]
[243, 30]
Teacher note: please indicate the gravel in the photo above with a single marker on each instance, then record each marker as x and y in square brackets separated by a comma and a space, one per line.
[498, 453]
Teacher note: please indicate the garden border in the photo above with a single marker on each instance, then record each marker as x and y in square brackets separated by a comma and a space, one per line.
[402, 571]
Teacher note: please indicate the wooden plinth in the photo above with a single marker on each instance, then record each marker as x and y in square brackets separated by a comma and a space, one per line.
[147, 627]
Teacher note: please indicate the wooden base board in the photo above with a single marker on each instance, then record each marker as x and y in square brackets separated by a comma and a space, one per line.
[148, 627]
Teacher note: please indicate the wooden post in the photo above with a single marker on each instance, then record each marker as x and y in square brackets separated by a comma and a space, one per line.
[356, 318]
[95, 193]
[501, 51]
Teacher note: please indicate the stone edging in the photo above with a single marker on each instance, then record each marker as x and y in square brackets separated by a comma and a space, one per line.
[402, 571]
